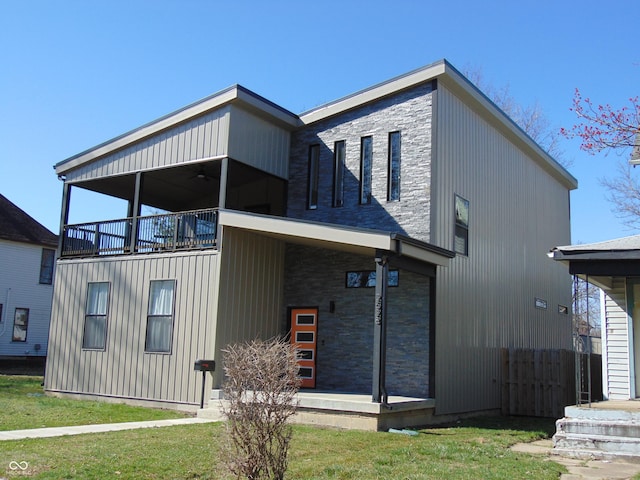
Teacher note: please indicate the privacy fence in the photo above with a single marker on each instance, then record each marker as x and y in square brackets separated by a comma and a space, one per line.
[540, 383]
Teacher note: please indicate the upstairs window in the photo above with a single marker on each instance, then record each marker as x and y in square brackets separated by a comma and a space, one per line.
[46, 266]
[20, 325]
[461, 235]
[313, 175]
[366, 160]
[393, 188]
[95, 318]
[160, 316]
[338, 173]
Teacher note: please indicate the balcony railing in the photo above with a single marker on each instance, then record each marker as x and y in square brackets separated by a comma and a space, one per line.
[155, 233]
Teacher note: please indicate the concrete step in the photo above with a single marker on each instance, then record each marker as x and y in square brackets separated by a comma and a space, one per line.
[598, 427]
[589, 443]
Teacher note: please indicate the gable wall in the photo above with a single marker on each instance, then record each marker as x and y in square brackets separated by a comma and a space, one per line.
[485, 301]
[408, 112]
[20, 287]
[123, 369]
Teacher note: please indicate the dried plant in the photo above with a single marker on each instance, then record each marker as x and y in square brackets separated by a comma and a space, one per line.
[260, 396]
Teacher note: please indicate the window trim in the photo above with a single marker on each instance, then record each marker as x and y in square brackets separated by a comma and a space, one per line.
[48, 269]
[394, 174]
[339, 158]
[26, 326]
[157, 316]
[94, 315]
[366, 169]
[313, 176]
[461, 227]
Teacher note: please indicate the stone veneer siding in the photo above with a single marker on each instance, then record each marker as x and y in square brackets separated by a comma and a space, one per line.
[408, 112]
[314, 277]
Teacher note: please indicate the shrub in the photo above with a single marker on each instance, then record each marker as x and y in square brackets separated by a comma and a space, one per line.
[260, 395]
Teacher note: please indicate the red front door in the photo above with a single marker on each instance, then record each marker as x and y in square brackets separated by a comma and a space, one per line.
[304, 332]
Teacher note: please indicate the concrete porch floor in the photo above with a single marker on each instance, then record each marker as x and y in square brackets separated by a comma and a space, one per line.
[349, 410]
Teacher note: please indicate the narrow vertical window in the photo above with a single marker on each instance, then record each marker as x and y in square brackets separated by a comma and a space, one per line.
[461, 235]
[366, 156]
[338, 173]
[20, 325]
[95, 318]
[46, 266]
[160, 316]
[393, 189]
[313, 175]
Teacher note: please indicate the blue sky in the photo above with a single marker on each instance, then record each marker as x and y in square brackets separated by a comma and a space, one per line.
[76, 73]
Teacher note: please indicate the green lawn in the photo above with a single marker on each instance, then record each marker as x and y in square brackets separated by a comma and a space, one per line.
[473, 449]
[23, 404]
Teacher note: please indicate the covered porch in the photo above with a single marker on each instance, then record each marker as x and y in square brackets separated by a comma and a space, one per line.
[371, 354]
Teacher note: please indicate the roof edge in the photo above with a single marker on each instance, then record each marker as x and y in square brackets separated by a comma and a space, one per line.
[232, 94]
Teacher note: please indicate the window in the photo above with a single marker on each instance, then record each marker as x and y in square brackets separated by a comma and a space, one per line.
[20, 325]
[461, 236]
[367, 279]
[46, 265]
[338, 174]
[95, 318]
[160, 316]
[1, 317]
[314, 172]
[366, 157]
[393, 189]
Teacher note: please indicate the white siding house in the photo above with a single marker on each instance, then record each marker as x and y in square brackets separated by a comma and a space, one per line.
[27, 256]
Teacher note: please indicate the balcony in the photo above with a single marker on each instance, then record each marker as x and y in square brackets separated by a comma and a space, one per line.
[190, 230]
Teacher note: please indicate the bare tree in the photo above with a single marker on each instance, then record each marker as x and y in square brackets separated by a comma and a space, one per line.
[624, 194]
[530, 118]
[260, 393]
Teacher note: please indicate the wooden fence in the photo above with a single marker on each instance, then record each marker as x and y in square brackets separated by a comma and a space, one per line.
[540, 383]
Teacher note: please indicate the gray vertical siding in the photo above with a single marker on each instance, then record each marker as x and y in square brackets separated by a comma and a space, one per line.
[251, 291]
[202, 137]
[616, 339]
[259, 143]
[123, 369]
[486, 301]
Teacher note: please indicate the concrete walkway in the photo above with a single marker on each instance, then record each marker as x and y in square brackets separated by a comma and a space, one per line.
[107, 427]
[582, 469]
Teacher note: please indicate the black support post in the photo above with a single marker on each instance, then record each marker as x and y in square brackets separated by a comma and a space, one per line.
[380, 330]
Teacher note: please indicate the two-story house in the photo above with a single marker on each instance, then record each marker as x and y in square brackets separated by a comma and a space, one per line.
[27, 257]
[399, 235]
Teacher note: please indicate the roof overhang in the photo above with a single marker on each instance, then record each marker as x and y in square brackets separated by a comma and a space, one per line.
[235, 94]
[444, 72]
[336, 237]
[600, 262]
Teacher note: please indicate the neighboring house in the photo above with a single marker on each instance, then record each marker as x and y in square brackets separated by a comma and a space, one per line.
[27, 257]
[399, 233]
[613, 266]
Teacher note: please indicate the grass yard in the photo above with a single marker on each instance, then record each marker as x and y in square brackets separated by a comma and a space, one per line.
[473, 449]
[23, 405]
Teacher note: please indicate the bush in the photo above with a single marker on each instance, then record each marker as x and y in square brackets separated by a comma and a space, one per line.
[260, 395]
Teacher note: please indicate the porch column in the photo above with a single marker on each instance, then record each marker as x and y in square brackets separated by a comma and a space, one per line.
[64, 215]
[224, 173]
[134, 213]
[378, 390]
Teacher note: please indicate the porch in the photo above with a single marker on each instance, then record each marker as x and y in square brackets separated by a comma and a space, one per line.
[195, 229]
[604, 430]
[350, 411]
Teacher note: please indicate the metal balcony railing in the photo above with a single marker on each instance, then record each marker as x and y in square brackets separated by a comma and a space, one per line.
[194, 229]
